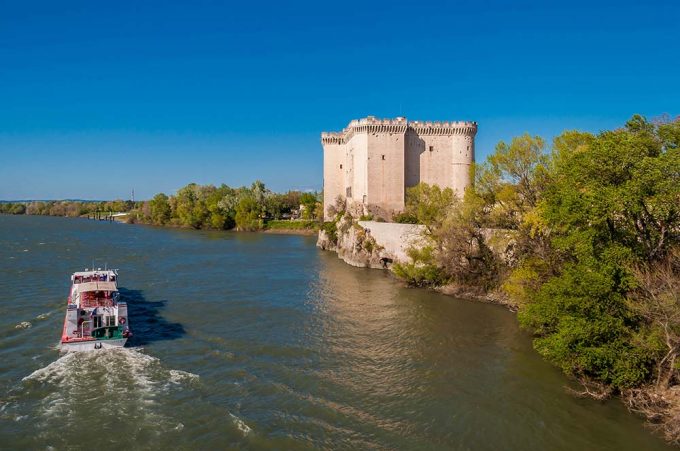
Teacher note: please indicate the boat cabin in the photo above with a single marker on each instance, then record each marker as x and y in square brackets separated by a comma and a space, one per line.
[94, 308]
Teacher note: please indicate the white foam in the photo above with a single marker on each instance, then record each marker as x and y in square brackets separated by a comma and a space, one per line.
[23, 325]
[179, 376]
[240, 424]
[55, 370]
[135, 379]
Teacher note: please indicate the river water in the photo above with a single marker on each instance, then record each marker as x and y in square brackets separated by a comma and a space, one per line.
[259, 341]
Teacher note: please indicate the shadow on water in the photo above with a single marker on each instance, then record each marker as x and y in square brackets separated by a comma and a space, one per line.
[146, 321]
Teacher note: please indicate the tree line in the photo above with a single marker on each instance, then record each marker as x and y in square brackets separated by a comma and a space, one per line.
[223, 207]
[70, 208]
[593, 228]
[194, 206]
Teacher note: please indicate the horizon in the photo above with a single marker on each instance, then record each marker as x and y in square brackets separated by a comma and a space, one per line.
[99, 99]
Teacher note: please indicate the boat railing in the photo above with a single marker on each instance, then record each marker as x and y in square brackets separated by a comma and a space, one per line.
[97, 302]
[82, 328]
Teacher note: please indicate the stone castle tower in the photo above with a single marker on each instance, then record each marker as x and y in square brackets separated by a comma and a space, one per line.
[370, 163]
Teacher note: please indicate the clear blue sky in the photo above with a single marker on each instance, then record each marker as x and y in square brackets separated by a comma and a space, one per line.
[99, 97]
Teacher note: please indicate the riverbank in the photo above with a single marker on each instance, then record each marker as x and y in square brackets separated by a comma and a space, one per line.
[284, 227]
[302, 232]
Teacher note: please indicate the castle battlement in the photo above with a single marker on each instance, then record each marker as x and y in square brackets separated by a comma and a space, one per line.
[369, 164]
[371, 124]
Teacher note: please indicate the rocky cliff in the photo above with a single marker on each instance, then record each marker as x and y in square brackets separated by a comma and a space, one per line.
[370, 244]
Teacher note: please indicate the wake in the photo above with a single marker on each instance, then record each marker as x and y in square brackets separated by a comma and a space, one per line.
[82, 386]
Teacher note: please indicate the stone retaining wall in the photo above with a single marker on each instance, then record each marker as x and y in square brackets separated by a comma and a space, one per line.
[394, 238]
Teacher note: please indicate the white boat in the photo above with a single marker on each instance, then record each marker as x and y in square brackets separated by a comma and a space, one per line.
[96, 318]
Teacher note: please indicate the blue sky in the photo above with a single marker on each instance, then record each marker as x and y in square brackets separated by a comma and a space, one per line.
[98, 98]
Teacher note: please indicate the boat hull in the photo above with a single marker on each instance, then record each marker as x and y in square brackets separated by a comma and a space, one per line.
[93, 345]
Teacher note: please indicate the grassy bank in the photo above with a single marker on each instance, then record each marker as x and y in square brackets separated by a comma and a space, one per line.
[300, 226]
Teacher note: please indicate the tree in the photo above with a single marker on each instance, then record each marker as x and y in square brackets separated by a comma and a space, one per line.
[427, 205]
[462, 250]
[191, 209]
[511, 179]
[612, 200]
[248, 215]
[308, 202]
[160, 209]
[457, 251]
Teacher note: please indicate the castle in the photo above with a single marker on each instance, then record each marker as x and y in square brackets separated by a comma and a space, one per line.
[370, 163]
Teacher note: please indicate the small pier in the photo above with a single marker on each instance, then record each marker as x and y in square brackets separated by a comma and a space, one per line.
[102, 215]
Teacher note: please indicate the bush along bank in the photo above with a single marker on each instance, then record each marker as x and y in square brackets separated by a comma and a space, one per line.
[584, 241]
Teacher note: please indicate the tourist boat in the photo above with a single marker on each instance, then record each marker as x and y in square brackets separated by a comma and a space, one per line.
[96, 318]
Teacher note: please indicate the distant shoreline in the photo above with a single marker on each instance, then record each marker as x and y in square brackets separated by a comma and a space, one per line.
[273, 231]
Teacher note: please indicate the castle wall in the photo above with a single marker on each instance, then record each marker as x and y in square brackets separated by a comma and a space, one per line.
[435, 160]
[333, 173]
[386, 172]
[445, 161]
[395, 239]
[415, 147]
[463, 157]
[356, 177]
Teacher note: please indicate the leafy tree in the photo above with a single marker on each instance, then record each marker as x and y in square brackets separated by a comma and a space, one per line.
[427, 205]
[458, 252]
[160, 209]
[191, 208]
[511, 180]
[612, 201]
[308, 201]
[248, 215]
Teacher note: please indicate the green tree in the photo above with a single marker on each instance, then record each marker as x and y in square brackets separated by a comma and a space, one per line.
[308, 201]
[511, 179]
[191, 209]
[161, 212]
[248, 213]
[427, 205]
[612, 202]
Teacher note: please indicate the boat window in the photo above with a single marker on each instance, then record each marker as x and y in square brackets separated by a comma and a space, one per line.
[110, 321]
[97, 322]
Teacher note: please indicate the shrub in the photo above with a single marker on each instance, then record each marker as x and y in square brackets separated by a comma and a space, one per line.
[282, 224]
[331, 230]
[422, 271]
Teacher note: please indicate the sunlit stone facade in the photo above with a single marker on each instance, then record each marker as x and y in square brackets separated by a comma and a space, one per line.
[370, 163]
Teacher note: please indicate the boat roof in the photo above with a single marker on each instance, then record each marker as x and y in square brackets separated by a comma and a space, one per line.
[96, 286]
[93, 272]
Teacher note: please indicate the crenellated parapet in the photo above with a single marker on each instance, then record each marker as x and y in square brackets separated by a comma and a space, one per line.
[371, 124]
[332, 138]
[444, 128]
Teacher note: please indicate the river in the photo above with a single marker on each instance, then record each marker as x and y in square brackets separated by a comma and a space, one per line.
[260, 341]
